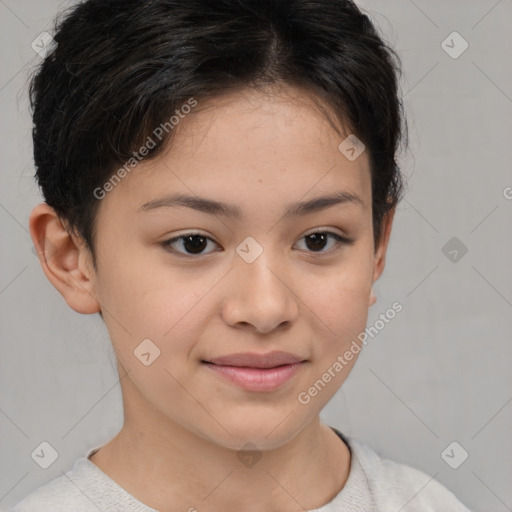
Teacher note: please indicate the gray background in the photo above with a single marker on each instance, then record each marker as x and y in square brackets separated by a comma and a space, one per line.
[439, 372]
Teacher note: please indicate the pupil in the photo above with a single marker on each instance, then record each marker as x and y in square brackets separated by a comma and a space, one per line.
[199, 244]
[196, 243]
[316, 237]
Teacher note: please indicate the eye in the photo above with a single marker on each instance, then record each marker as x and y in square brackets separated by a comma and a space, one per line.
[193, 243]
[316, 241]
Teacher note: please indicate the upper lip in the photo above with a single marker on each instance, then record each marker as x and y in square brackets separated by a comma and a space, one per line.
[254, 360]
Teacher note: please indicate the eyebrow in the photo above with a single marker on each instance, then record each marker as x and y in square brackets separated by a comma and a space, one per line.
[213, 207]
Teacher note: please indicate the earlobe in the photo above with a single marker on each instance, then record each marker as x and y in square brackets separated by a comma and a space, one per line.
[380, 253]
[373, 298]
[66, 265]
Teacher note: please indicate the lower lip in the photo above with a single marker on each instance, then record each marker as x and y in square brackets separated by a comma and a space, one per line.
[257, 379]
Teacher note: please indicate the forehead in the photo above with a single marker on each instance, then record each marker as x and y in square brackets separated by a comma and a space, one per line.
[250, 120]
[277, 147]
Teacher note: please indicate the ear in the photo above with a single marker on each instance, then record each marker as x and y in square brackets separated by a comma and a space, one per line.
[380, 252]
[66, 263]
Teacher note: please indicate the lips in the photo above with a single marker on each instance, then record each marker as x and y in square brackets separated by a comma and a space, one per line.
[256, 372]
[253, 360]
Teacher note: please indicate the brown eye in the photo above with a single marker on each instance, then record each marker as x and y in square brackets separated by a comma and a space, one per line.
[192, 244]
[316, 242]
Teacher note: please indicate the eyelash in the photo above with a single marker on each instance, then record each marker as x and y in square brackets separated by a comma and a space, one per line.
[340, 240]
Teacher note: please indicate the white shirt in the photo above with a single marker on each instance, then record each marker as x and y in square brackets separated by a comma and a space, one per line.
[374, 484]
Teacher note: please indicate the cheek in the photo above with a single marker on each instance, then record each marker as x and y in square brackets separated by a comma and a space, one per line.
[342, 313]
[339, 304]
[143, 301]
[165, 313]
[340, 297]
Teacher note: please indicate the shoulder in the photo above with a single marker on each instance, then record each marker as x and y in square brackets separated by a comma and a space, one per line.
[84, 488]
[58, 495]
[396, 486]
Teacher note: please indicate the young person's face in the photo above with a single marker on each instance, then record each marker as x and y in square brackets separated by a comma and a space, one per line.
[302, 296]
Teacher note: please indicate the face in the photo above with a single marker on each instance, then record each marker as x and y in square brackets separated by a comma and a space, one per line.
[242, 309]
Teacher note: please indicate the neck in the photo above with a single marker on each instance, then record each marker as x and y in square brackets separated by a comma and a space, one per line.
[170, 469]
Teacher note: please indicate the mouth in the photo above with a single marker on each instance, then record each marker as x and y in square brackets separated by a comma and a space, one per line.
[256, 372]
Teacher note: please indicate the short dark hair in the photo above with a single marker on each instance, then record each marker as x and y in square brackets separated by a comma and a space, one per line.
[121, 68]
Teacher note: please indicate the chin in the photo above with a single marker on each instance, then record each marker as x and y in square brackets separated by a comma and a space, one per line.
[265, 433]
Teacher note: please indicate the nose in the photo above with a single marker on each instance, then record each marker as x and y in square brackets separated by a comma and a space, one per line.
[260, 296]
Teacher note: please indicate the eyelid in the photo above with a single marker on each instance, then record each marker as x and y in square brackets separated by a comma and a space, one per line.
[340, 239]
[166, 244]
[326, 230]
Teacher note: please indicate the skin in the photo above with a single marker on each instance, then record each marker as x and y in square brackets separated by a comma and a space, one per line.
[184, 424]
